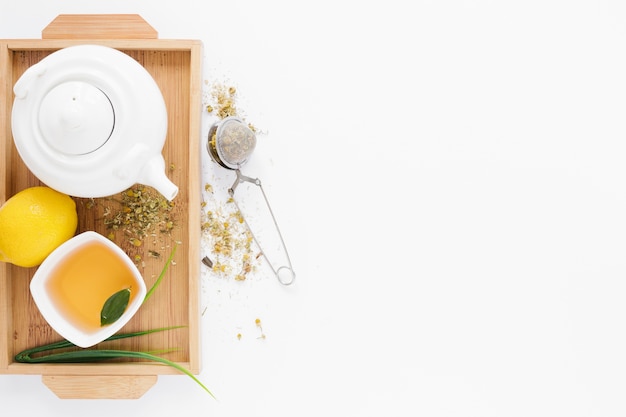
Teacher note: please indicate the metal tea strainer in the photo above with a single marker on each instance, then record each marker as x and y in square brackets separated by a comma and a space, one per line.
[230, 144]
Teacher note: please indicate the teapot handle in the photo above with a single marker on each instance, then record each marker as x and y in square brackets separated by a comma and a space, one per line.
[22, 86]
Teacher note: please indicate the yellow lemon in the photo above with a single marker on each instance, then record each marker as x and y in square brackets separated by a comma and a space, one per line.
[33, 223]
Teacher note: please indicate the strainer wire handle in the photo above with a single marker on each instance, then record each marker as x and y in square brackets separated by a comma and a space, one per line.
[282, 270]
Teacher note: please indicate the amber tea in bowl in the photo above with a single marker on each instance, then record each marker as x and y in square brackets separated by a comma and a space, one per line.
[74, 282]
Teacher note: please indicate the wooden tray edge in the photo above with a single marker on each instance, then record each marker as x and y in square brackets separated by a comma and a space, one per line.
[127, 387]
[100, 26]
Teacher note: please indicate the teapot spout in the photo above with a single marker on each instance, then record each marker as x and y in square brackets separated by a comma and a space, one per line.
[153, 174]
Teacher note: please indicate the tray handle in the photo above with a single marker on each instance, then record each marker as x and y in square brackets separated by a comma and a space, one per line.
[99, 386]
[99, 26]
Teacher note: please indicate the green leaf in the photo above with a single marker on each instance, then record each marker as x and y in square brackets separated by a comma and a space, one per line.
[114, 307]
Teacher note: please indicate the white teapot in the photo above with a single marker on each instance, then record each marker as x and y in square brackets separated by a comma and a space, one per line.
[90, 121]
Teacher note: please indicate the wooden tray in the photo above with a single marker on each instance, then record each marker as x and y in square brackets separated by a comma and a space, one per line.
[176, 67]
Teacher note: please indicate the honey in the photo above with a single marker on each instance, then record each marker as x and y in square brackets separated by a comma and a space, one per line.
[80, 284]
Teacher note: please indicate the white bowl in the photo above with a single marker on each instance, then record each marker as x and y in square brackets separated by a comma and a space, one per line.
[72, 284]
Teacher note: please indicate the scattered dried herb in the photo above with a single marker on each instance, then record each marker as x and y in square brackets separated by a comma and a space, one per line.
[207, 261]
[140, 215]
[223, 229]
[222, 101]
[141, 212]
[223, 98]
[226, 236]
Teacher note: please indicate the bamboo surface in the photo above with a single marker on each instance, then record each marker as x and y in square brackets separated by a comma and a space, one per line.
[112, 26]
[176, 67]
[127, 387]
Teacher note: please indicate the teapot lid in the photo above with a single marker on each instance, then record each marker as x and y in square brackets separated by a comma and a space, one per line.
[76, 118]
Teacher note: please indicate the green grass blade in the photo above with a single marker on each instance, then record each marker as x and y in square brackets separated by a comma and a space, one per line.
[95, 355]
[163, 271]
[25, 355]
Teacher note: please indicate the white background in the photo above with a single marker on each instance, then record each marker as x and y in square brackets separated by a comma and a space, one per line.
[450, 180]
